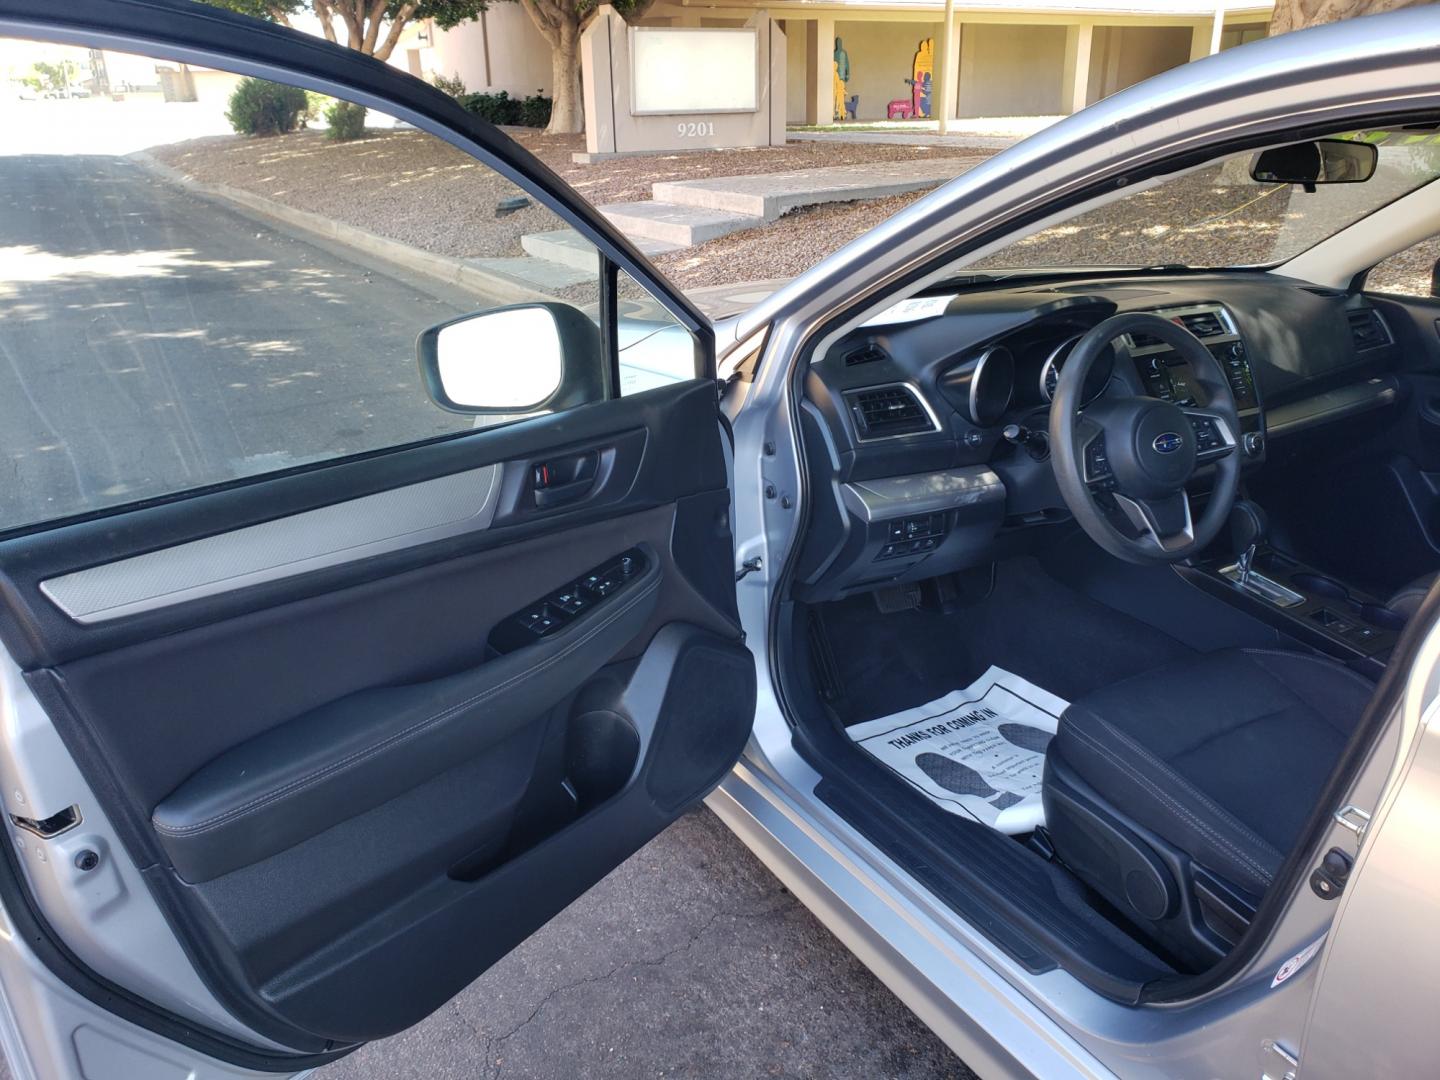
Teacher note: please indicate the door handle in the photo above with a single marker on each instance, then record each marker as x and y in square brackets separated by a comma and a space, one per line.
[561, 480]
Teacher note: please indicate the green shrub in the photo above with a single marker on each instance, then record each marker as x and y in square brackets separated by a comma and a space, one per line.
[501, 108]
[315, 105]
[346, 120]
[535, 111]
[452, 85]
[258, 107]
[498, 108]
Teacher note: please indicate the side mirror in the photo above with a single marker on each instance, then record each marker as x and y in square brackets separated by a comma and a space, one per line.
[526, 358]
[1325, 161]
[1435, 279]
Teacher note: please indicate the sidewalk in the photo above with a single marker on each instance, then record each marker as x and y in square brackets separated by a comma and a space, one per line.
[688, 212]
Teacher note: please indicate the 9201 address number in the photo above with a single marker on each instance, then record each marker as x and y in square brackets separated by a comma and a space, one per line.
[695, 129]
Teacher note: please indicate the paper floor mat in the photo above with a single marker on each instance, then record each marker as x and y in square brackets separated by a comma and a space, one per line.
[978, 752]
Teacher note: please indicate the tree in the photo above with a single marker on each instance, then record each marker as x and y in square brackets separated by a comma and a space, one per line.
[1298, 14]
[560, 23]
[53, 77]
[372, 27]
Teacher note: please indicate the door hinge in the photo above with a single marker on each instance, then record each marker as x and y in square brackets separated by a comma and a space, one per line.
[749, 566]
[1277, 1063]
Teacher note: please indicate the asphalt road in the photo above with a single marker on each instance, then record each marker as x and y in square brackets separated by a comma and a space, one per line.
[152, 341]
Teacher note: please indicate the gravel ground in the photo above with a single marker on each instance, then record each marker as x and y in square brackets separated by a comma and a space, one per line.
[1407, 273]
[415, 188]
[783, 249]
[412, 187]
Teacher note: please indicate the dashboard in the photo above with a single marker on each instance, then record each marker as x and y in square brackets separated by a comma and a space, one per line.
[926, 428]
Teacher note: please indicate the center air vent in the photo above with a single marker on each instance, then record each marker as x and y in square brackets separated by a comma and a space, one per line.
[1367, 328]
[1203, 324]
[884, 411]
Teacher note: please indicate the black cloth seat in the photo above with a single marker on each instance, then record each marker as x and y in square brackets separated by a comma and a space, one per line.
[1221, 756]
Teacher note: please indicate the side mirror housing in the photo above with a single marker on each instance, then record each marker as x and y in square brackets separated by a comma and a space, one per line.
[1324, 161]
[525, 358]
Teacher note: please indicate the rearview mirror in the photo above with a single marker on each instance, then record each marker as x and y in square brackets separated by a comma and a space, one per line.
[1325, 161]
[527, 358]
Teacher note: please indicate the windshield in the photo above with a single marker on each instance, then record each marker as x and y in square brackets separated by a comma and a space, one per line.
[1217, 216]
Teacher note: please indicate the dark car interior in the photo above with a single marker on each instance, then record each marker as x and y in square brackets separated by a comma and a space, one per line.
[1215, 666]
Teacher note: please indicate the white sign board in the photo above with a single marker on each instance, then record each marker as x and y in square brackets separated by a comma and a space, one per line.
[682, 70]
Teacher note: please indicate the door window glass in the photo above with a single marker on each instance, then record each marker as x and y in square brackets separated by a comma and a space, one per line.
[205, 277]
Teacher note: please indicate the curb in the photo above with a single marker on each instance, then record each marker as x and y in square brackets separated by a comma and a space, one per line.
[443, 268]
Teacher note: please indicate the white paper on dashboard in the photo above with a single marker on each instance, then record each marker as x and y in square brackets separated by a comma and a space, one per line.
[912, 310]
[978, 752]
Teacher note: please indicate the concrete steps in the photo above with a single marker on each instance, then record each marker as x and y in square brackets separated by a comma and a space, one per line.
[684, 213]
[769, 195]
[676, 224]
[569, 248]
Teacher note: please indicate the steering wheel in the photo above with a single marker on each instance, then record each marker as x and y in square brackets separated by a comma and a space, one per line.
[1122, 463]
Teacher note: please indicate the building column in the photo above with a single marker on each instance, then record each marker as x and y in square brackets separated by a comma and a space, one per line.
[1205, 36]
[1075, 82]
[944, 93]
[820, 71]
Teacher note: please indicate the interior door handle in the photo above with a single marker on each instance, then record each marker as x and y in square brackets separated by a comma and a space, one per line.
[565, 479]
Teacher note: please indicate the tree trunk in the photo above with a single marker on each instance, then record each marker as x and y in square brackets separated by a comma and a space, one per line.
[1298, 14]
[566, 116]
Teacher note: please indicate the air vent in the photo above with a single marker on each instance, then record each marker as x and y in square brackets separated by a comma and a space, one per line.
[885, 411]
[1368, 329]
[865, 354]
[1203, 324]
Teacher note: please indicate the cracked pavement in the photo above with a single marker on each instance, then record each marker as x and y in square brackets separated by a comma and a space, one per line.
[689, 960]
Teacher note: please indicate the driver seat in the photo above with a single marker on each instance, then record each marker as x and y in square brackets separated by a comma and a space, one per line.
[1177, 794]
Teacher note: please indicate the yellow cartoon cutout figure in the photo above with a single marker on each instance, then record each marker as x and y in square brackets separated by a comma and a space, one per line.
[843, 103]
[921, 77]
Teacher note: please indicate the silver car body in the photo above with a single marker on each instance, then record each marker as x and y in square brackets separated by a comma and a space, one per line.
[1358, 1004]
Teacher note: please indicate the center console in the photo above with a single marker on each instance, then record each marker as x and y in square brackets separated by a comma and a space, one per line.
[1169, 376]
[1306, 604]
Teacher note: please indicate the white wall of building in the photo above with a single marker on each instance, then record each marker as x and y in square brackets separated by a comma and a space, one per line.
[795, 61]
[1010, 70]
[1122, 56]
[517, 59]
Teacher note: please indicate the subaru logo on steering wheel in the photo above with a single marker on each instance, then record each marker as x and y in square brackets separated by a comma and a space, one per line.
[1167, 442]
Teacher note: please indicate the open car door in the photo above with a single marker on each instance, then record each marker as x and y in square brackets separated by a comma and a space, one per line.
[320, 695]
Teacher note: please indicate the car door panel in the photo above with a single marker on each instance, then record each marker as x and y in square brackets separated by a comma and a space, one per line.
[349, 783]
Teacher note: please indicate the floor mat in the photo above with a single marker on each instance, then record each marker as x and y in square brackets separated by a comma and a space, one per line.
[978, 752]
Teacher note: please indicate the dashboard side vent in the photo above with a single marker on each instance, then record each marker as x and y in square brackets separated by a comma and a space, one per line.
[1203, 324]
[884, 411]
[1367, 328]
[865, 354]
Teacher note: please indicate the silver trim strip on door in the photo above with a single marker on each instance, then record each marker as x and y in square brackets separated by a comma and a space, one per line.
[273, 550]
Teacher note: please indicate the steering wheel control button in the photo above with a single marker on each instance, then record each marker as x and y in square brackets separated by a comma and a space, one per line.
[1097, 466]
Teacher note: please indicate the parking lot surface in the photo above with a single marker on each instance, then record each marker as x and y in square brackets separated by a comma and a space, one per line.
[690, 960]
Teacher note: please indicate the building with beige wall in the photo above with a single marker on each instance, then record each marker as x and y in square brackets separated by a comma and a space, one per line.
[999, 58]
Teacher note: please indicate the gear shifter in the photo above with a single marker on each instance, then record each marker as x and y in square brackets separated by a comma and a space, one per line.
[1247, 533]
